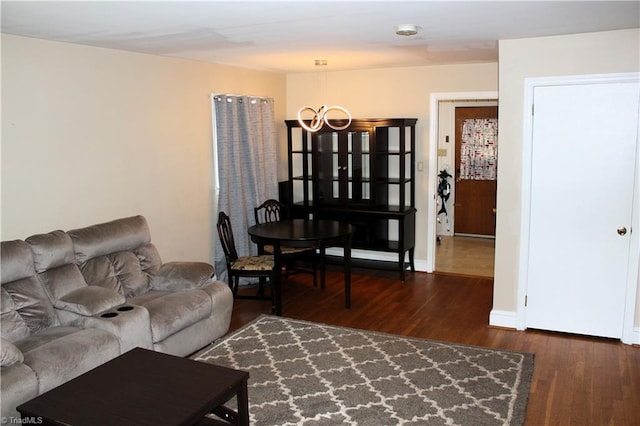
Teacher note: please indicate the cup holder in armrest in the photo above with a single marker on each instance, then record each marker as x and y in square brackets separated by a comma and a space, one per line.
[112, 314]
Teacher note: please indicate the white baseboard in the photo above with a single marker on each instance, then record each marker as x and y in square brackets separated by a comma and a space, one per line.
[364, 254]
[506, 319]
[420, 265]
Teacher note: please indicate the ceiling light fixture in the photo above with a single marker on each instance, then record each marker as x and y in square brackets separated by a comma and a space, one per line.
[406, 30]
[321, 115]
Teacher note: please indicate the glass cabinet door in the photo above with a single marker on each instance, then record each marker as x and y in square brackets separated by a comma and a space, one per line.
[358, 168]
[300, 167]
[343, 167]
[328, 167]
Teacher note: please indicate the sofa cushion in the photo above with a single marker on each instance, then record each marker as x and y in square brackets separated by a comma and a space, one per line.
[9, 353]
[62, 280]
[59, 354]
[29, 300]
[16, 261]
[14, 327]
[100, 272]
[51, 250]
[174, 311]
[110, 237]
[149, 258]
[89, 301]
[175, 276]
[143, 299]
[25, 305]
[119, 271]
[18, 384]
[117, 255]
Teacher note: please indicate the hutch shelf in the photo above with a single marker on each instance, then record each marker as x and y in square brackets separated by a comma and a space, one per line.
[363, 175]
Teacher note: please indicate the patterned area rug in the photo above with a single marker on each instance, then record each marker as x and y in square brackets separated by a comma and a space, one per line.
[304, 373]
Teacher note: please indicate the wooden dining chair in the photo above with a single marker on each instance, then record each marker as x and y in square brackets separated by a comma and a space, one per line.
[261, 267]
[271, 211]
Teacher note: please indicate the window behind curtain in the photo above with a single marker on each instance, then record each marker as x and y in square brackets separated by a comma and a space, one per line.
[245, 163]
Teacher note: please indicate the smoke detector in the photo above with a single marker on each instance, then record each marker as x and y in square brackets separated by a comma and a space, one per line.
[406, 30]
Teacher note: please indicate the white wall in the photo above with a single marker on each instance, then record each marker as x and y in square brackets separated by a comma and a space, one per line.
[392, 92]
[592, 53]
[92, 134]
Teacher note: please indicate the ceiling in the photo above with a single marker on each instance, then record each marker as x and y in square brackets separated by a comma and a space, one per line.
[288, 36]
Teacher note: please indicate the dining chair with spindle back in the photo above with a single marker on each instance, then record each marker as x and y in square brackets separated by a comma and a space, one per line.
[271, 211]
[260, 266]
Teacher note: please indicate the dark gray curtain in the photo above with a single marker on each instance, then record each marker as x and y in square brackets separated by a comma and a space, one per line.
[245, 141]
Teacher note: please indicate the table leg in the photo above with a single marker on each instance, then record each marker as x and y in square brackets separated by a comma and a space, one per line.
[230, 417]
[411, 262]
[347, 273]
[243, 404]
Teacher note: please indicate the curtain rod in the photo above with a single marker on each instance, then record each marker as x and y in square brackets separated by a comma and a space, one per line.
[240, 96]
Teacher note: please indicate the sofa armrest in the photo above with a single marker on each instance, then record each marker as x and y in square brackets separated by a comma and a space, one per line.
[9, 353]
[174, 276]
[89, 301]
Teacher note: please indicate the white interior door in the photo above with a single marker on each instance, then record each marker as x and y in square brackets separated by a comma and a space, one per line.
[583, 160]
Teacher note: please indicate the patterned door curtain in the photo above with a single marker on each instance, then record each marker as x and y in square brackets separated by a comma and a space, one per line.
[479, 149]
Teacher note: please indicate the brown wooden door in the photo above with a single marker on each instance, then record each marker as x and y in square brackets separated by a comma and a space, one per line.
[475, 187]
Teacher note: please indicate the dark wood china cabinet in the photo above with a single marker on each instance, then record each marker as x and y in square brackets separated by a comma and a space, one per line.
[363, 175]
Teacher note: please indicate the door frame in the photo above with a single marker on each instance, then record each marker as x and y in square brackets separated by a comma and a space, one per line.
[432, 188]
[633, 271]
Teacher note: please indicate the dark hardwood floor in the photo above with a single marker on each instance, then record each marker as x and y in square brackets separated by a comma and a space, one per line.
[577, 380]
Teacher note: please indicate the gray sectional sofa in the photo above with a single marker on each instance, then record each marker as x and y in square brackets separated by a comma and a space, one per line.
[73, 300]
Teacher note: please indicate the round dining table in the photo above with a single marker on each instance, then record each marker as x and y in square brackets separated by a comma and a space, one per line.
[305, 233]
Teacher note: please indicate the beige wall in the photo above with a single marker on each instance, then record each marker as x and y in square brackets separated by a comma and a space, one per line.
[91, 134]
[593, 53]
[392, 92]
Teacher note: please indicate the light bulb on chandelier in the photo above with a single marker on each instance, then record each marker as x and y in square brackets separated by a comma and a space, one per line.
[321, 115]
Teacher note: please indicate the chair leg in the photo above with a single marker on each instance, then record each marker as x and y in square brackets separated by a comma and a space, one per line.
[273, 304]
[261, 285]
[314, 269]
[233, 284]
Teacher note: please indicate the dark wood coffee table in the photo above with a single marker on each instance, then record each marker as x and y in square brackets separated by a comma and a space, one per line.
[143, 387]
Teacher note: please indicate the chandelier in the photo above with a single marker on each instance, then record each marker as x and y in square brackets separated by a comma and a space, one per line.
[321, 117]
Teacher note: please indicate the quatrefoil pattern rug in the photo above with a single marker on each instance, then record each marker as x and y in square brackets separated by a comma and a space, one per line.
[304, 373]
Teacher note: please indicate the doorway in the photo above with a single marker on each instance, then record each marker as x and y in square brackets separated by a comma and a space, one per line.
[476, 149]
[464, 255]
[466, 249]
